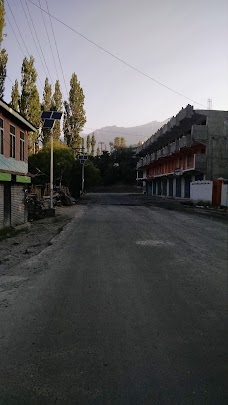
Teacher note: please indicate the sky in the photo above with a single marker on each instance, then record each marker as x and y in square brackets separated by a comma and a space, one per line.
[180, 43]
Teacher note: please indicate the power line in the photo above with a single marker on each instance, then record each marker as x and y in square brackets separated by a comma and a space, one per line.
[32, 34]
[38, 41]
[117, 58]
[15, 35]
[55, 45]
[49, 40]
[18, 28]
[20, 36]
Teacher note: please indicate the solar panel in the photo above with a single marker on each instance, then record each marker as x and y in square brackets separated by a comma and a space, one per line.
[48, 124]
[46, 114]
[56, 115]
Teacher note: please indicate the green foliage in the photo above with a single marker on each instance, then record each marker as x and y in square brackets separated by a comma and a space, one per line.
[30, 106]
[57, 105]
[119, 142]
[46, 106]
[83, 144]
[3, 63]
[88, 144]
[74, 117]
[63, 163]
[117, 167]
[122, 142]
[65, 167]
[15, 96]
[93, 144]
[2, 19]
[3, 53]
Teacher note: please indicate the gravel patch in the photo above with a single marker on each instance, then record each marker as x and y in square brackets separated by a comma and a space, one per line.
[29, 242]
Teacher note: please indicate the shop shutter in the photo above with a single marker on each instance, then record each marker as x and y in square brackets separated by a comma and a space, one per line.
[18, 211]
[1, 205]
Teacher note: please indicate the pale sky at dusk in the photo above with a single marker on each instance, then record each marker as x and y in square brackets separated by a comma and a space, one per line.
[181, 43]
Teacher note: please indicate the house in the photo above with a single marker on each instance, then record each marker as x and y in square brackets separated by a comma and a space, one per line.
[13, 165]
[191, 146]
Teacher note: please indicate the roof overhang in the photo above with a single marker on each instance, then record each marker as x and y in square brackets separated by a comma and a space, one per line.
[18, 116]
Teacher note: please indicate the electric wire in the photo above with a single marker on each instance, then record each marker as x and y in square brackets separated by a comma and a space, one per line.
[57, 50]
[45, 25]
[117, 57]
[38, 41]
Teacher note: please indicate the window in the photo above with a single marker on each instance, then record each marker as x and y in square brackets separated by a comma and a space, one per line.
[22, 146]
[12, 141]
[1, 137]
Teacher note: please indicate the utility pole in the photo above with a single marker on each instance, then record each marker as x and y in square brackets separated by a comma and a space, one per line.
[83, 178]
[51, 171]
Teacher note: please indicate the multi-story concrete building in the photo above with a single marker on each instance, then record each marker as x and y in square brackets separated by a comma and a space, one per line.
[193, 145]
[13, 165]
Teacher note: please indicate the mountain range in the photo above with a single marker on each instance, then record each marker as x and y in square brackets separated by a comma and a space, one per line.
[132, 135]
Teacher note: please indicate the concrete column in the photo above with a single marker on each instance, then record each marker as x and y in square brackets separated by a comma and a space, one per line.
[174, 187]
[167, 193]
[156, 187]
[182, 186]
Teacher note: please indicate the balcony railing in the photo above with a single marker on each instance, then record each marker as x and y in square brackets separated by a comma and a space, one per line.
[166, 150]
[159, 153]
[139, 164]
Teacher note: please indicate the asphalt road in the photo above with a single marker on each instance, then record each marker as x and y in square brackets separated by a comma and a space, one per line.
[127, 306]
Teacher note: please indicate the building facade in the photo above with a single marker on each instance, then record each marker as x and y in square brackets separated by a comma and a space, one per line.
[192, 146]
[13, 166]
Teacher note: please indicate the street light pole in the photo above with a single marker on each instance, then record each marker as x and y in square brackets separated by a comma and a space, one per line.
[83, 178]
[51, 172]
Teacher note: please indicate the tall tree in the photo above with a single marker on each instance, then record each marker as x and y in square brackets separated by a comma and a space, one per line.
[93, 144]
[3, 53]
[88, 144]
[57, 105]
[15, 96]
[74, 117]
[98, 151]
[46, 106]
[83, 144]
[117, 142]
[30, 106]
[122, 142]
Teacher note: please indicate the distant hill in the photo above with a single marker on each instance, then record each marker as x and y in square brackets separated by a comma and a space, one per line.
[132, 134]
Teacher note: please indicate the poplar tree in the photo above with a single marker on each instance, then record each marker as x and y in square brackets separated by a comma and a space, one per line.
[57, 105]
[15, 96]
[93, 144]
[83, 144]
[117, 142]
[30, 106]
[3, 53]
[74, 117]
[46, 106]
[88, 144]
[98, 152]
[122, 142]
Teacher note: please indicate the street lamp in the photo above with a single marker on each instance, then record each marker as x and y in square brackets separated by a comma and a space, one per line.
[49, 118]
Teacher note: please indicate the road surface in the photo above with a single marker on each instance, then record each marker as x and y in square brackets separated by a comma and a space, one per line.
[127, 306]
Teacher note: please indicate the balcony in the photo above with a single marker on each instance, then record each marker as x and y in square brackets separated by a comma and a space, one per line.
[199, 133]
[159, 153]
[200, 163]
[139, 164]
[166, 150]
[153, 157]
